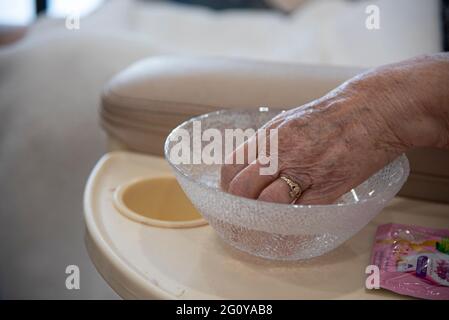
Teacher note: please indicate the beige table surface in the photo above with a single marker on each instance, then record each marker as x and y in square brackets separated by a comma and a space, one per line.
[140, 261]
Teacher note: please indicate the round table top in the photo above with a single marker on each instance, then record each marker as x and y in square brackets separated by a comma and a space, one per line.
[147, 262]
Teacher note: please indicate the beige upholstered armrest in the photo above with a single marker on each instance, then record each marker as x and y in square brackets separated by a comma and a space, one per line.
[144, 102]
[224, 83]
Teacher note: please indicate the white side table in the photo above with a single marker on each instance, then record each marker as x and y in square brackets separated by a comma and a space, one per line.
[144, 262]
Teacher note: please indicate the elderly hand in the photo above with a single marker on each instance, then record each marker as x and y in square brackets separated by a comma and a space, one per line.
[333, 144]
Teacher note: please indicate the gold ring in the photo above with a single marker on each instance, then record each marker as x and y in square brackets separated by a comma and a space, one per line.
[295, 188]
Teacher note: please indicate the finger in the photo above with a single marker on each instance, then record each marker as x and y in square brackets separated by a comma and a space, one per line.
[279, 191]
[249, 182]
[320, 196]
[231, 167]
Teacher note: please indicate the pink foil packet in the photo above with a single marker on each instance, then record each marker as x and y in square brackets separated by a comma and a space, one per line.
[413, 260]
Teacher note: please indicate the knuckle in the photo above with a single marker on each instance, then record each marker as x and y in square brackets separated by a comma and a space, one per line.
[226, 175]
[235, 187]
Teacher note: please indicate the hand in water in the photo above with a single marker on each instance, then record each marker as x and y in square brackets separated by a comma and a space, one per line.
[333, 144]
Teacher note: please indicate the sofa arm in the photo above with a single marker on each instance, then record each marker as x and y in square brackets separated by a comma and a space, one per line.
[143, 103]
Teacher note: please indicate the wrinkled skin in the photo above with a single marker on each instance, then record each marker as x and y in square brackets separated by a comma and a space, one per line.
[332, 144]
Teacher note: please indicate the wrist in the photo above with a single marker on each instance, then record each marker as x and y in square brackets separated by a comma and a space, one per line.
[426, 81]
[408, 101]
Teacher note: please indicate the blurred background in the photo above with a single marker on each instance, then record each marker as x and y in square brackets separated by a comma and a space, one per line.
[56, 55]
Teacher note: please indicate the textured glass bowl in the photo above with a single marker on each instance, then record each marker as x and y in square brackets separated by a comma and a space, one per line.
[279, 231]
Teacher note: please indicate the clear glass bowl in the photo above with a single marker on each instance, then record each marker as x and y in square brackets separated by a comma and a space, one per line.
[279, 231]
